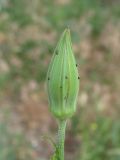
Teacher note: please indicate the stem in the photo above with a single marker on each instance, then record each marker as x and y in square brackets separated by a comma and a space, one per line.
[61, 138]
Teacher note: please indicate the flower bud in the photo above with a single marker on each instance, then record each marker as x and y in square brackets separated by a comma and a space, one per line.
[63, 79]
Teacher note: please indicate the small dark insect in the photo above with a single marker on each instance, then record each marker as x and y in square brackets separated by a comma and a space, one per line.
[56, 52]
[50, 50]
[48, 78]
[76, 65]
[66, 77]
[78, 77]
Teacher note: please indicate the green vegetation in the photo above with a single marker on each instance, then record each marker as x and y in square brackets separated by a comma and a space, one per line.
[100, 138]
[28, 34]
[13, 145]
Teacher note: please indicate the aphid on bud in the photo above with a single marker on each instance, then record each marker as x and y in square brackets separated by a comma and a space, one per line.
[66, 77]
[56, 52]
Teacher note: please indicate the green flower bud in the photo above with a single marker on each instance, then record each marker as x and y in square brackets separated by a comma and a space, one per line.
[63, 79]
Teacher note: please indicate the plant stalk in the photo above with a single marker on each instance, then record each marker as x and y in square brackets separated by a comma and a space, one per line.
[61, 138]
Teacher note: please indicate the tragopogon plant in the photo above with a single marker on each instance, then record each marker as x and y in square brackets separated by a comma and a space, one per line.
[62, 88]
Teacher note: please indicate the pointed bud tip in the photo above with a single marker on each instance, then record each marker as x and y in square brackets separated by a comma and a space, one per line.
[67, 30]
[66, 33]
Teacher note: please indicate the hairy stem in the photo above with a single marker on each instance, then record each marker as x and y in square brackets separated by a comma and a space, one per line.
[61, 138]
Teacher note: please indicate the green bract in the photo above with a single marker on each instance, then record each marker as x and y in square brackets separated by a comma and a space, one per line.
[63, 79]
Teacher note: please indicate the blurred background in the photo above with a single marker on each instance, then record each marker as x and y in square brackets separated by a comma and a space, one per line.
[29, 31]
